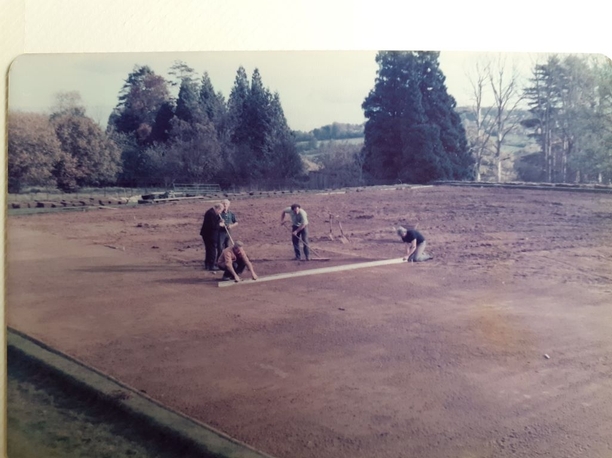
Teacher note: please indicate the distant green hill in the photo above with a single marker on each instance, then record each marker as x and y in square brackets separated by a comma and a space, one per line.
[312, 150]
[517, 144]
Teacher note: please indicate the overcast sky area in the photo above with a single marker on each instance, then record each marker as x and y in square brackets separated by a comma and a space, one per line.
[316, 88]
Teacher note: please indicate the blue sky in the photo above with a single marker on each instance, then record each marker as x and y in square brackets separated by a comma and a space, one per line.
[316, 87]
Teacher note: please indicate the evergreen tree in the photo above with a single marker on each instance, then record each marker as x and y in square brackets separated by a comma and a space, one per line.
[585, 120]
[264, 148]
[160, 131]
[179, 72]
[412, 131]
[137, 169]
[187, 105]
[544, 99]
[257, 125]
[211, 103]
[571, 115]
[194, 152]
[236, 106]
[286, 161]
[140, 99]
[393, 105]
[601, 118]
[439, 109]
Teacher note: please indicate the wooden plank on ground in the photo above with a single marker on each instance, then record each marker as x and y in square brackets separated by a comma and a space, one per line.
[303, 273]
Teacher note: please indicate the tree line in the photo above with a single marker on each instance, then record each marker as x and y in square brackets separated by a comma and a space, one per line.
[153, 139]
[413, 132]
[564, 109]
[570, 106]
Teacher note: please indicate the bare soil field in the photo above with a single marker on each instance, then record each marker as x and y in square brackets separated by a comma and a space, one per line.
[498, 347]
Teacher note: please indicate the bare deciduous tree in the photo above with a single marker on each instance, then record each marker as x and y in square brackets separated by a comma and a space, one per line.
[507, 93]
[480, 134]
[496, 95]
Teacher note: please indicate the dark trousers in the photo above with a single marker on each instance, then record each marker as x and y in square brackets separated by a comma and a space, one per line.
[419, 254]
[224, 240]
[211, 248]
[303, 235]
[239, 266]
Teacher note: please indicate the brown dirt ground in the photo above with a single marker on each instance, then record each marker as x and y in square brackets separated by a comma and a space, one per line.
[436, 359]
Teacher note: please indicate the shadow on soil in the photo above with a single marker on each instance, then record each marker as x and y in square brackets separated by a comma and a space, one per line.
[132, 268]
[191, 281]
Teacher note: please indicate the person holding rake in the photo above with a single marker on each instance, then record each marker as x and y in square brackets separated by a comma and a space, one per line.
[228, 221]
[299, 229]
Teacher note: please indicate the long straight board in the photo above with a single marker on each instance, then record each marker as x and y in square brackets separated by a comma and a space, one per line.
[303, 273]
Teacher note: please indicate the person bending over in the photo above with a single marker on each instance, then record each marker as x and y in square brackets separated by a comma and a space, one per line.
[415, 251]
[233, 260]
[299, 229]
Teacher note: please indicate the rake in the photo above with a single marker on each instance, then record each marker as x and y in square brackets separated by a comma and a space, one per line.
[315, 252]
[343, 239]
[228, 232]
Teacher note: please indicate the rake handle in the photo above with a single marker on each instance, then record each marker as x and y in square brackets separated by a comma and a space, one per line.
[309, 247]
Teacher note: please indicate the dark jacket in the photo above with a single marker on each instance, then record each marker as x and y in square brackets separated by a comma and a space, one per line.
[413, 234]
[210, 225]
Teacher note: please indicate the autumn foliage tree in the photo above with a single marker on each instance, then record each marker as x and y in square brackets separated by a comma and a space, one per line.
[140, 118]
[141, 97]
[33, 150]
[66, 149]
[96, 159]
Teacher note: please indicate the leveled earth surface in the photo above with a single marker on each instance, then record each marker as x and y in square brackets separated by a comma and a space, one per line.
[500, 346]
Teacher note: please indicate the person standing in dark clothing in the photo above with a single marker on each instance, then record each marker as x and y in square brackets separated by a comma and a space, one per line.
[210, 236]
[415, 251]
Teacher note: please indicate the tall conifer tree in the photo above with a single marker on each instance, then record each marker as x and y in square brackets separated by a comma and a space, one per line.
[412, 131]
[187, 105]
[264, 149]
[212, 103]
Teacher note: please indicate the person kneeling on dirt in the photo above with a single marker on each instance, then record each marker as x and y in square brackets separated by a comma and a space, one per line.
[415, 252]
[233, 260]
